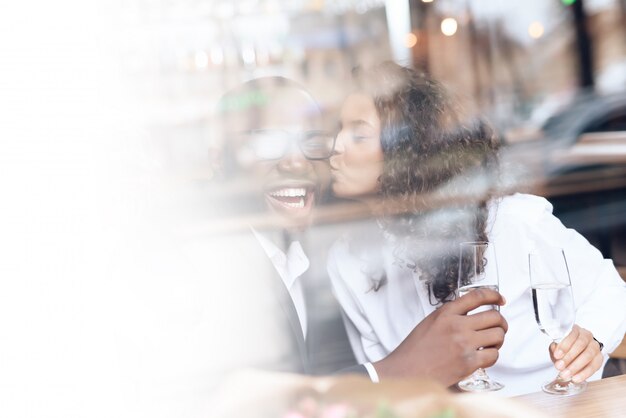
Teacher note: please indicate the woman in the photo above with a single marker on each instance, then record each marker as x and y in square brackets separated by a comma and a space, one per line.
[429, 179]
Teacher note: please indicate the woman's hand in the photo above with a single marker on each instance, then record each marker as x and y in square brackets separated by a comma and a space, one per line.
[577, 356]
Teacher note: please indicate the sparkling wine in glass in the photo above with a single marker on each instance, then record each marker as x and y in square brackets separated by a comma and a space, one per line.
[553, 303]
[478, 269]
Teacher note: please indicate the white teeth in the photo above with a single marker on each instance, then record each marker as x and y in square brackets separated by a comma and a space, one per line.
[289, 192]
[298, 205]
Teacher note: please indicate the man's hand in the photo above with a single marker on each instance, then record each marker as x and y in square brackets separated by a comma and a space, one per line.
[445, 345]
[577, 356]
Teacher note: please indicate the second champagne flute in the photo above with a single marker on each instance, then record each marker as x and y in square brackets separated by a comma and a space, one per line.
[478, 269]
[553, 303]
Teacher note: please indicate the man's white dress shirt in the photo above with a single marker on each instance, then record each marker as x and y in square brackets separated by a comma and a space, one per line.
[378, 321]
[290, 267]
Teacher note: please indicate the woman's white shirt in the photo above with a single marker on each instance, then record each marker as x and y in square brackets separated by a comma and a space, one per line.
[379, 320]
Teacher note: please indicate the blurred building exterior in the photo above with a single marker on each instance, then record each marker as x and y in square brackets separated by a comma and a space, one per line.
[514, 62]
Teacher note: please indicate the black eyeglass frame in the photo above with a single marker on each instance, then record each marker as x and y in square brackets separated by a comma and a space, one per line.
[302, 137]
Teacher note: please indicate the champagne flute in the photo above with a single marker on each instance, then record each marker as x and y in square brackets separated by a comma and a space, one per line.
[478, 269]
[553, 303]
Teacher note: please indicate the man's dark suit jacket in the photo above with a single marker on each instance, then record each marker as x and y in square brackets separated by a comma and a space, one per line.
[326, 350]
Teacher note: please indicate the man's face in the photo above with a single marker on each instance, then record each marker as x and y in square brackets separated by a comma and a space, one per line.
[271, 142]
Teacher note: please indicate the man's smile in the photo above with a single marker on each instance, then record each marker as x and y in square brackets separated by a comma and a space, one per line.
[293, 198]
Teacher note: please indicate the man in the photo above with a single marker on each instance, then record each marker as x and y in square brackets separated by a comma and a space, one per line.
[273, 166]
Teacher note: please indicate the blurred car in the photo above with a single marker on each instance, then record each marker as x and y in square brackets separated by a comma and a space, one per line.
[578, 161]
[585, 134]
[587, 113]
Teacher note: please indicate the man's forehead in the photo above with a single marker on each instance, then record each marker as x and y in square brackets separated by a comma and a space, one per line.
[290, 105]
[287, 107]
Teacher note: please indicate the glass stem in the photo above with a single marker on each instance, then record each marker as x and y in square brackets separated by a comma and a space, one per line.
[558, 378]
[480, 374]
[564, 381]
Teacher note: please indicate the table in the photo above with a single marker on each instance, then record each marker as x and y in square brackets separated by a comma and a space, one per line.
[603, 398]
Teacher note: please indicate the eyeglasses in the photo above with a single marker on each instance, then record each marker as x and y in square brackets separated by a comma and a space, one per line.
[273, 144]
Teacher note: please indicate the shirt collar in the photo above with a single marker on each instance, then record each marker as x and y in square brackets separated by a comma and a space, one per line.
[271, 250]
[290, 266]
[297, 261]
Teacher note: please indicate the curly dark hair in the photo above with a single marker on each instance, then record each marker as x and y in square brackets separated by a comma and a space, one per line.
[438, 174]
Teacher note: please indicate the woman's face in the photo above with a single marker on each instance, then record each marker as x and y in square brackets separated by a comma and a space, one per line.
[358, 160]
